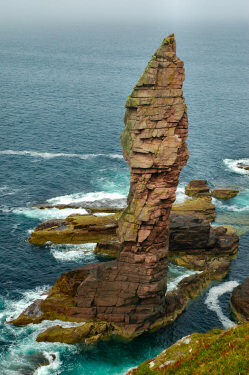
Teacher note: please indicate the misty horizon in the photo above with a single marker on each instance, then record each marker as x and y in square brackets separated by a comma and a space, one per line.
[62, 12]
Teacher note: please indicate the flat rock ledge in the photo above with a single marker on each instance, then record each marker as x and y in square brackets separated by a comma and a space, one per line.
[224, 193]
[91, 228]
[239, 301]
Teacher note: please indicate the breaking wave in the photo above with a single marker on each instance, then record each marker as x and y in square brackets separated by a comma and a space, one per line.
[212, 301]
[176, 274]
[24, 354]
[72, 252]
[50, 155]
[180, 194]
[87, 197]
[232, 165]
[236, 204]
[48, 213]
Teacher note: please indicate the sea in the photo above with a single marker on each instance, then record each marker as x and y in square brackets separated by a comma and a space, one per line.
[62, 100]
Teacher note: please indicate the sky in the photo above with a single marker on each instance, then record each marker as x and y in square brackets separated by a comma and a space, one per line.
[33, 12]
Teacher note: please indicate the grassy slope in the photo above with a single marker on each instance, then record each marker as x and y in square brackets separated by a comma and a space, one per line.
[215, 352]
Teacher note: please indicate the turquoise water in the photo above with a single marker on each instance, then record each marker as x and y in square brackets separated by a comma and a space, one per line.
[62, 103]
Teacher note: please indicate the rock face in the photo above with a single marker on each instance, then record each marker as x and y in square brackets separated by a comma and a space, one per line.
[240, 301]
[189, 235]
[130, 291]
[194, 235]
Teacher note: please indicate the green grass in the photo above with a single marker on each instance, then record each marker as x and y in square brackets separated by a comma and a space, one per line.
[217, 352]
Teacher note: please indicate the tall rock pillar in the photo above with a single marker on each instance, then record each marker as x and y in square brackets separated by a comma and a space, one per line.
[154, 146]
[130, 291]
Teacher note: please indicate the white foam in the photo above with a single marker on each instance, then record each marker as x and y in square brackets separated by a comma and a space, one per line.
[176, 274]
[24, 342]
[14, 308]
[51, 155]
[212, 301]
[229, 207]
[6, 190]
[54, 364]
[100, 214]
[48, 213]
[232, 165]
[180, 194]
[85, 197]
[72, 252]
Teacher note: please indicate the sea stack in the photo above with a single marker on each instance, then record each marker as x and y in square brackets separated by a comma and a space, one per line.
[129, 292]
[154, 146]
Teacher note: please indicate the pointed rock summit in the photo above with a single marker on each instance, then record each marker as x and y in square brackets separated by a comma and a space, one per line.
[130, 291]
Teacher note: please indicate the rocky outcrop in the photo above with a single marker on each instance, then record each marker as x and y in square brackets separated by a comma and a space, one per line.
[224, 193]
[90, 228]
[200, 203]
[215, 352]
[240, 301]
[85, 333]
[76, 229]
[131, 290]
[189, 235]
[197, 188]
[243, 166]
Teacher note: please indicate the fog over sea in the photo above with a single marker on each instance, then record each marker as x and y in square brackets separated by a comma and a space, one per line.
[62, 103]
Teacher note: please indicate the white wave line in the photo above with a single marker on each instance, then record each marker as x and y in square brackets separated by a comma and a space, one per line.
[50, 155]
[232, 164]
[212, 301]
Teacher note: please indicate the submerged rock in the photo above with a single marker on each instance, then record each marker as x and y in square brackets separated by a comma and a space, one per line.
[224, 193]
[240, 301]
[243, 166]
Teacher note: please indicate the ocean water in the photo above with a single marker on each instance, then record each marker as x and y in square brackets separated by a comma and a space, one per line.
[62, 102]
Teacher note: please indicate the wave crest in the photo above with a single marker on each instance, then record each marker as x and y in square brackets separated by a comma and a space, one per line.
[232, 164]
[51, 155]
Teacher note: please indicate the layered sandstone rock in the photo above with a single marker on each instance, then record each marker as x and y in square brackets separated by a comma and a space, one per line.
[189, 235]
[197, 188]
[130, 291]
[200, 203]
[240, 301]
